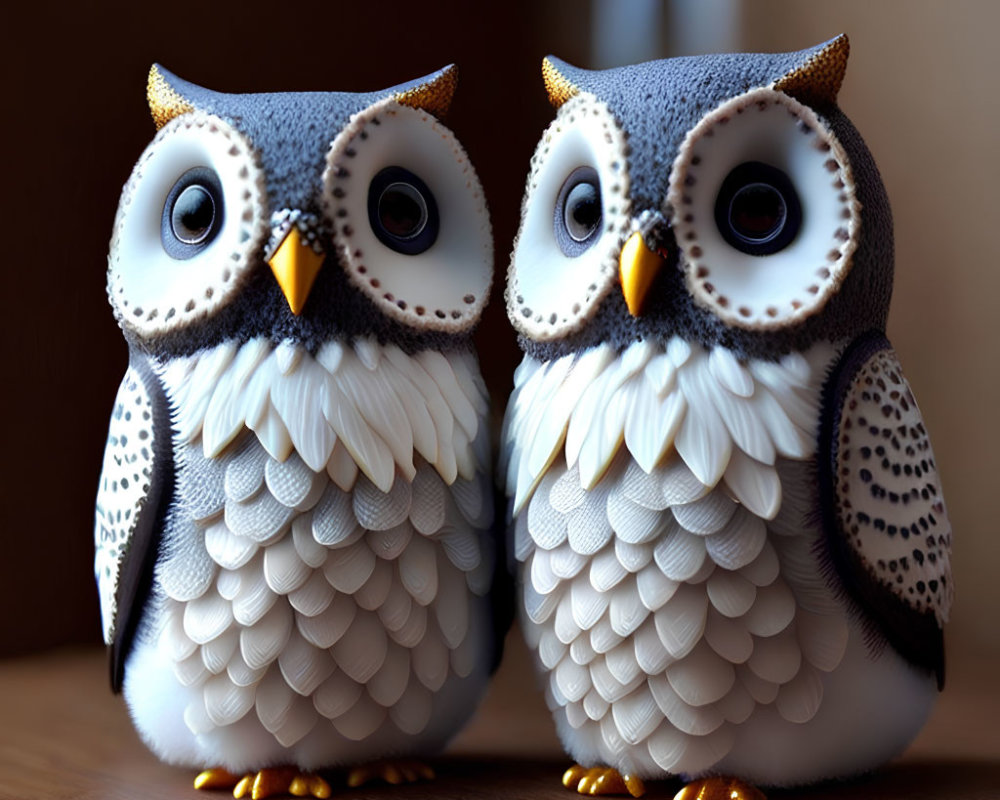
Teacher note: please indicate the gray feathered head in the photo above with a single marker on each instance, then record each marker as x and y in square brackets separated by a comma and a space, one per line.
[300, 216]
[722, 198]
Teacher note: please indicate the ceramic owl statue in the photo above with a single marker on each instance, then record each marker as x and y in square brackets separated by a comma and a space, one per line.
[294, 538]
[727, 519]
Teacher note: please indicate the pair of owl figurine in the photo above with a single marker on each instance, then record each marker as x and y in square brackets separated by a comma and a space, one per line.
[731, 548]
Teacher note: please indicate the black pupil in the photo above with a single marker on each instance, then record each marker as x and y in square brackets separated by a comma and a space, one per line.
[757, 209]
[193, 214]
[757, 212]
[402, 210]
[583, 210]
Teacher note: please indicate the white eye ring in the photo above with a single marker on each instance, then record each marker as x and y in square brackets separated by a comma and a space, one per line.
[441, 284]
[553, 288]
[153, 293]
[770, 290]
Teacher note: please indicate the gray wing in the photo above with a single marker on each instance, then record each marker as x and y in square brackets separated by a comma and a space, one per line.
[136, 482]
[887, 527]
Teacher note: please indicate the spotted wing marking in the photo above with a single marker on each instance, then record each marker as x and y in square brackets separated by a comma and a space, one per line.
[890, 525]
[123, 490]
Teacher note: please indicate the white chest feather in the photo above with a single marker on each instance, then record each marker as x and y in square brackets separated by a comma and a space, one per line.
[670, 585]
[322, 594]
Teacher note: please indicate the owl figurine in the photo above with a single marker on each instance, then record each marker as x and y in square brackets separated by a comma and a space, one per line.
[295, 552]
[732, 547]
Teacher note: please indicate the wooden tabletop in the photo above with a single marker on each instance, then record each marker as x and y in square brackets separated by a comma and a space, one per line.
[63, 735]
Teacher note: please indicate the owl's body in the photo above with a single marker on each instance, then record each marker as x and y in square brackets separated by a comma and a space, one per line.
[294, 526]
[732, 549]
[680, 611]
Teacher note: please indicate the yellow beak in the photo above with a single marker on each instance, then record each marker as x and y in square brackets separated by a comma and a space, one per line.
[637, 268]
[295, 265]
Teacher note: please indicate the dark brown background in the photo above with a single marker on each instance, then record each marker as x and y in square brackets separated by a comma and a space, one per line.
[921, 87]
[75, 104]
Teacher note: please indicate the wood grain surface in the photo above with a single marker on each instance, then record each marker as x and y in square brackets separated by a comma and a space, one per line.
[63, 735]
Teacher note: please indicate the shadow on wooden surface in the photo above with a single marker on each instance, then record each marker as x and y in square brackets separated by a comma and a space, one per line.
[473, 778]
[479, 779]
[469, 778]
[63, 736]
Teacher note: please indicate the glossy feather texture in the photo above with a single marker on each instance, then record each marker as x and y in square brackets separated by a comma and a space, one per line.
[653, 588]
[333, 615]
[714, 572]
[294, 544]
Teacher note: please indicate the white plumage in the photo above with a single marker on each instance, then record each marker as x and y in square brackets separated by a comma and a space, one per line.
[294, 546]
[311, 611]
[677, 609]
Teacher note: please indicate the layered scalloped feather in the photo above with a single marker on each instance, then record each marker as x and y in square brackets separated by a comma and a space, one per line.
[312, 595]
[669, 585]
[293, 601]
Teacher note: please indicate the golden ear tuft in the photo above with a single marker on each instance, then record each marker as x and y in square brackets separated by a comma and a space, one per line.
[818, 80]
[434, 96]
[558, 86]
[164, 101]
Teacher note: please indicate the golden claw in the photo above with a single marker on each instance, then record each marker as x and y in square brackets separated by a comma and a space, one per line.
[719, 789]
[266, 783]
[309, 786]
[216, 778]
[244, 787]
[602, 780]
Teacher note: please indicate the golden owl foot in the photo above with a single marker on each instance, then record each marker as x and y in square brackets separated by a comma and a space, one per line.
[266, 783]
[394, 772]
[602, 780]
[281, 780]
[719, 789]
[216, 779]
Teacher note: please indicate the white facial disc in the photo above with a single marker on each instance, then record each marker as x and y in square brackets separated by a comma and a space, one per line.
[777, 289]
[445, 286]
[153, 291]
[552, 292]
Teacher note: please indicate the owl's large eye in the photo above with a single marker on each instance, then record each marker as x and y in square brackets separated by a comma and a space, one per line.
[189, 224]
[757, 209]
[578, 211]
[574, 218]
[402, 211]
[763, 210]
[193, 213]
[414, 236]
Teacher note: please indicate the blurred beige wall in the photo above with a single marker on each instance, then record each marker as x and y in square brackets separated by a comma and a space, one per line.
[921, 87]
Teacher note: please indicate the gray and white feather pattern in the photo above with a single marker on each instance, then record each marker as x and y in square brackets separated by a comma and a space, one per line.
[731, 545]
[669, 587]
[126, 475]
[313, 584]
[295, 523]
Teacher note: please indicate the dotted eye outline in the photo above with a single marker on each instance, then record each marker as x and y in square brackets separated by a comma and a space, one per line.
[219, 279]
[825, 278]
[616, 206]
[338, 185]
